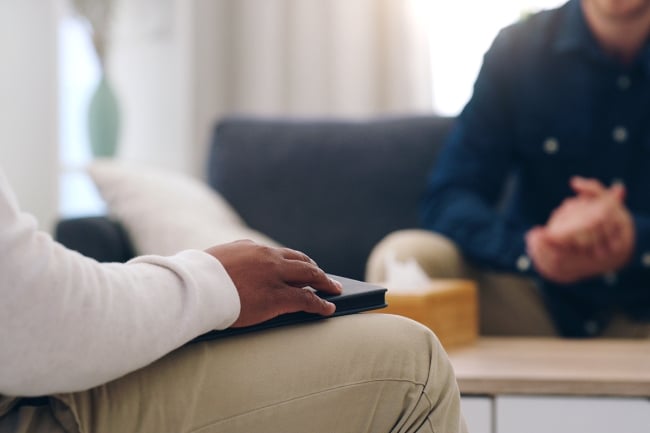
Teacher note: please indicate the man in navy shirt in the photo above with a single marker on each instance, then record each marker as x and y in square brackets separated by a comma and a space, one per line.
[561, 113]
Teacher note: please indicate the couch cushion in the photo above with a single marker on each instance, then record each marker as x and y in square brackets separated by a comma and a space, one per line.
[331, 188]
[164, 211]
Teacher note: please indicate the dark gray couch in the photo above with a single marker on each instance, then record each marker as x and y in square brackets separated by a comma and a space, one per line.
[331, 188]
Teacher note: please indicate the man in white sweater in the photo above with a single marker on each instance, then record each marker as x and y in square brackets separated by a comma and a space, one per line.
[105, 343]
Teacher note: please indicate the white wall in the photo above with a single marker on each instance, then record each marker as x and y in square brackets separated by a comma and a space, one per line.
[148, 66]
[28, 104]
[161, 56]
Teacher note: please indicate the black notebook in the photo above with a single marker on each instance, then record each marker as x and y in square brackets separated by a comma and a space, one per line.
[356, 297]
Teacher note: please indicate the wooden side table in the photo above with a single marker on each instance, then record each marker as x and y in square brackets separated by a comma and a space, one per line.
[554, 366]
[511, 385]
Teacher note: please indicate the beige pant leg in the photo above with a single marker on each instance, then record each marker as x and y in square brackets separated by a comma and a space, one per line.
[30, 419]
[623, 327]
[359, 373]
[512, 305]
[508, 304]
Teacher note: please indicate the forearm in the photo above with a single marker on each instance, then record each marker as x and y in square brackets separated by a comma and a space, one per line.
[641, 256]
[474, 167]
[68, 323]
[481, 234]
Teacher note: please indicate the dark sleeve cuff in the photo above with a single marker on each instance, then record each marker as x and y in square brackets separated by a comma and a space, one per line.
[641, 258]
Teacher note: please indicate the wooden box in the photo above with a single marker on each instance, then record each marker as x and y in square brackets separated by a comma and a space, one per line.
[448, 307]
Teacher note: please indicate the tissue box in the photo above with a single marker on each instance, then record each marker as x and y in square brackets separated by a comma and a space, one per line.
[448, 307]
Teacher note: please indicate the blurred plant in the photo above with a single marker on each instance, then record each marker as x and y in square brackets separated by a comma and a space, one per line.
[98, 16]
[528, 12]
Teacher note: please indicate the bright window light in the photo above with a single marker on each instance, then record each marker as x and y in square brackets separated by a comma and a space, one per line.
[460, 33]
[79, 73]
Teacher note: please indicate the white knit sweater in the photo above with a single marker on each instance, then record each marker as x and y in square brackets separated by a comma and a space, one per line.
[68, 323]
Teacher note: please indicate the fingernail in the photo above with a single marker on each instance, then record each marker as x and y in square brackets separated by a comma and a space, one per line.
[336, 283]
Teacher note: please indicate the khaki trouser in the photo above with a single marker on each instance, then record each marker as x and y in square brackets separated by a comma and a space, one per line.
[508, 304]
[360, 373]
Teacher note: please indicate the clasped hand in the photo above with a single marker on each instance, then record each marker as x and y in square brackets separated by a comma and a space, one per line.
[272, 281]
[589, 234]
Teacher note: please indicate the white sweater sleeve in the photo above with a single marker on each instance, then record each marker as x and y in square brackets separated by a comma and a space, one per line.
[68, 323]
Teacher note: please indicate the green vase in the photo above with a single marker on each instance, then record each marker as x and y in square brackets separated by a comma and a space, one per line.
[103, 120]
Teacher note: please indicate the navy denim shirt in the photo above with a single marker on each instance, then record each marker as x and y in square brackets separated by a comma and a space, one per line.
[548, 104]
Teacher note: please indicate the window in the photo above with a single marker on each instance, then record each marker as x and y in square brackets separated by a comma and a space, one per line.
[461, 31]
[79, 73]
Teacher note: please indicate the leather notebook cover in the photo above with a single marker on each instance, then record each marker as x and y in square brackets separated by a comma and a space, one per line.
[357, 296]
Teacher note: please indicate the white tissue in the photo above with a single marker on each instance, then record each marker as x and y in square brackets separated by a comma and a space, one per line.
[405, 276]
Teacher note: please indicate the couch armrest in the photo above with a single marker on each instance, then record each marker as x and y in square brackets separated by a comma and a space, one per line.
[98, 237]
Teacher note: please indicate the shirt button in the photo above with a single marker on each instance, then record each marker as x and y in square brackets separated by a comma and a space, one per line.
[610, 278]
[623, 82]
[618, 181]
[645, 260]
[523, 263]
[619, 134]
[591, 327]
[551, 145]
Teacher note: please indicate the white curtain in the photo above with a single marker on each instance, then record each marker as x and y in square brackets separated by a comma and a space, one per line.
[345, 58]
[303, 57]
[179, 65]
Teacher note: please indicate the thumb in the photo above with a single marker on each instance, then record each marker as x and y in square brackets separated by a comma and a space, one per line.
[587, 186]
[618, 192]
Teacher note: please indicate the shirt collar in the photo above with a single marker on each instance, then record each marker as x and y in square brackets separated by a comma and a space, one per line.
[574, 34]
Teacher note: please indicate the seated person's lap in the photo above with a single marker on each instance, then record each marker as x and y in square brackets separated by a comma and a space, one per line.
[358, 372]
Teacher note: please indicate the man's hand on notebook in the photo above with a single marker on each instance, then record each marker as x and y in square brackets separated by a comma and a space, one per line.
[272, 281]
